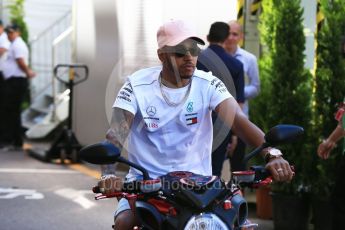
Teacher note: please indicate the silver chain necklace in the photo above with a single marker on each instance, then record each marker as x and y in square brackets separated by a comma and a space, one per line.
[166, 99]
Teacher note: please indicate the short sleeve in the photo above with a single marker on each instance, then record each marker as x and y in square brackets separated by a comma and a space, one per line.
[126, 99]
[218, 93]
[20, 51]
[4, 43]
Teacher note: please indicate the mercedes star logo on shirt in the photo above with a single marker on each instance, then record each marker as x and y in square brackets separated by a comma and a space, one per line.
[151, 111]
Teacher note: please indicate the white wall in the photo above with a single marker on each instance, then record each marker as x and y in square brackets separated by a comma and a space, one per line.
[97, 45]
[41, 14]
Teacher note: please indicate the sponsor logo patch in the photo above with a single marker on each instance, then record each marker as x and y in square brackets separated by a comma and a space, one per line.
[192, 120]
[190, 107]
[151, 125]
[151, 111]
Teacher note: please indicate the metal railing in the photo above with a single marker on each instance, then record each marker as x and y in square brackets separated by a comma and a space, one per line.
[41, 54]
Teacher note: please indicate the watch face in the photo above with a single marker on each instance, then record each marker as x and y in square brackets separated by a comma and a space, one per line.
[275, 152]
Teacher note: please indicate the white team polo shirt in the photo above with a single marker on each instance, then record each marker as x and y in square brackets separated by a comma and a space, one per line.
[166, 138]
[18, 49]
[4, 43]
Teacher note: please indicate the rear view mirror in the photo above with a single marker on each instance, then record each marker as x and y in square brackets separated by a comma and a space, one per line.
[105, 153]
[282, 134]
[100, 153]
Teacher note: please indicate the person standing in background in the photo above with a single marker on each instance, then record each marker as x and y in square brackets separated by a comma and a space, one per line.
[16, 74]
[324, 151]
[230, 71]
[251, 89]
[4, 45]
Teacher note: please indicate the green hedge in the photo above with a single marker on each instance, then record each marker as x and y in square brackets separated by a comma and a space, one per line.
[329, 85]
[286, 86]
[17, 14]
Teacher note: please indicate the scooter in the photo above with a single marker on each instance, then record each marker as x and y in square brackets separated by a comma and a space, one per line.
[184, 200]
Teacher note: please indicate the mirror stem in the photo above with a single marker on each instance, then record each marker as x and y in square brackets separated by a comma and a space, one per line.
[254, 153]
[141, 169]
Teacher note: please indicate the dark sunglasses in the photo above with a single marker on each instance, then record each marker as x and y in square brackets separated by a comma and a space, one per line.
[181, 51]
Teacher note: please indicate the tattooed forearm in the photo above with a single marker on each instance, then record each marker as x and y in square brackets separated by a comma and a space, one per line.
[120, 127]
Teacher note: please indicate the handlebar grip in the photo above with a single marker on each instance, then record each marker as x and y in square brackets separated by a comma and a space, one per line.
[136, 187]
[96, 189]
[133, 186]
[261, 172]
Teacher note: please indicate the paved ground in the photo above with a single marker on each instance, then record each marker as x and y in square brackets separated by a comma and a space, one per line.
[263, 224]
[94, 172]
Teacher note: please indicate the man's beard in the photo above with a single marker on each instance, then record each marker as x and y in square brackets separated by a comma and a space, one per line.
[173, 69]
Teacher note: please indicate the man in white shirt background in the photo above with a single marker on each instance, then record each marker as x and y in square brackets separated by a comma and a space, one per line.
[4, 45]
[16, 74]
[251, 89]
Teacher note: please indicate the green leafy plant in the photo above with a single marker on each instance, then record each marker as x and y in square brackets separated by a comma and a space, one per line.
[329, 84]
[258, 107]
[17, 14]
[286, 84]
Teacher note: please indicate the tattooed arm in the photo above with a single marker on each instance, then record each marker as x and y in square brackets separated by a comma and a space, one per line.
[121, 123]
[117, 134]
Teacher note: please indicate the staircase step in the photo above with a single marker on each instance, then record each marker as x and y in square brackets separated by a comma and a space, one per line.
[44, 110]
[41, 130]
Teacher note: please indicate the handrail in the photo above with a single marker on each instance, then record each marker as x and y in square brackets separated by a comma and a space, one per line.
[35, 39]
[55, 43]
[40, 55]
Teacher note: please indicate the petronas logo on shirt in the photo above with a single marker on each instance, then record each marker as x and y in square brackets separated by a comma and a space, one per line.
[190, 107]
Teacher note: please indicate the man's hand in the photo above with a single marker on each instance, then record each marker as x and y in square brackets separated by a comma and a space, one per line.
[30, 74]
[110, 184]
[280, 169]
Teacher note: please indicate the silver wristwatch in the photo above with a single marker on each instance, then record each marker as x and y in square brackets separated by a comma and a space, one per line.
[272, 153]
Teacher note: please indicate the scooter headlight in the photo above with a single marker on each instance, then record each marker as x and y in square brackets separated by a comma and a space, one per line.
[205, 221]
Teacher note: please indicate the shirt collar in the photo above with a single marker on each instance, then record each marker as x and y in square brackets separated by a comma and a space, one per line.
[238, 52]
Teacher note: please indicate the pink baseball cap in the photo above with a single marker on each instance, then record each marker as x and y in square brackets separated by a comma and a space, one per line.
[176, 31]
